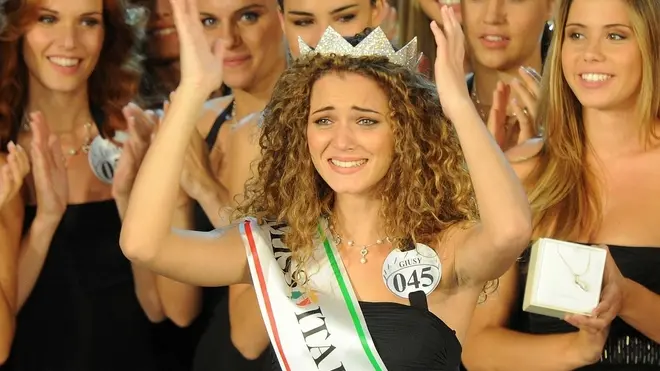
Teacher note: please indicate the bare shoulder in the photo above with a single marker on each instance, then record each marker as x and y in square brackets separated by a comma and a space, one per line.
[249, 129]
[211, 110]
[524, 157]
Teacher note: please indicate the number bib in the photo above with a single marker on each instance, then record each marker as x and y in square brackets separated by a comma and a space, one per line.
[103, 158]
[410, 271]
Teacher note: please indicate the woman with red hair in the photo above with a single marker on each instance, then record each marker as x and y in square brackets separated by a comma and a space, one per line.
[66, 75]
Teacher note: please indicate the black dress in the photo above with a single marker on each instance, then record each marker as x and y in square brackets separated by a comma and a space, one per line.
[408, 338]
[626, 348]
[83, 314]
[215, 350]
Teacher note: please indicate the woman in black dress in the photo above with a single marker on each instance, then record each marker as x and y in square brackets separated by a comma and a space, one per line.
[67, 70]
[594, 179]
[328, 141]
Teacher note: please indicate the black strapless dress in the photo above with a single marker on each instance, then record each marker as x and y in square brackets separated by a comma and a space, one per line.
[626, 348]
[408, 338]
[83, 314]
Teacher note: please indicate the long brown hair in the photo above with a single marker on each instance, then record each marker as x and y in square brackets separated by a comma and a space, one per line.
[562, 187]
[111, 86]
[426, 190]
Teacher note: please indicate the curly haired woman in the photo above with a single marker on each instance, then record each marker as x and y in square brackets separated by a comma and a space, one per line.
[362, 177]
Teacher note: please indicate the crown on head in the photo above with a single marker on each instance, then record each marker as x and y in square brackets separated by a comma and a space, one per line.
[375, 44]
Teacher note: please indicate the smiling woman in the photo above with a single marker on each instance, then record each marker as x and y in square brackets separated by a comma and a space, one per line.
[67, 70]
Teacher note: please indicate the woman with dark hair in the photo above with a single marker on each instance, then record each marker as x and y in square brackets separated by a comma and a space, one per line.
[345, 128]
[67, 70]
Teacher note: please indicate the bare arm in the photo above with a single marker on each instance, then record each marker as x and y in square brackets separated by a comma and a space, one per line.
[248, 332]
[181, 302]
[491, 346]
[147, 237]
[11, 221]
[640, 309]
[33, 252]
[7, 324]
[486, 250]
[146, 290]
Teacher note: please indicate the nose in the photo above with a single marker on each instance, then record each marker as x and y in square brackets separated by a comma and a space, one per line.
[344, 136]
[495, 12]
[230, 34]
[593, 50]
[162, 9]
[68, 36]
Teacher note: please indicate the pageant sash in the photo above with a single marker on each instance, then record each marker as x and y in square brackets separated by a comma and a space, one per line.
[318, 327]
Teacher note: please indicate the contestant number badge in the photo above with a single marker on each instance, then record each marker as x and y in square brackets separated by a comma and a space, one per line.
[103, 158]
[405, 272]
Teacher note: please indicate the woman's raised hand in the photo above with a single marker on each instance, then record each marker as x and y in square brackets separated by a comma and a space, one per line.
[201, 64]
[449, 71]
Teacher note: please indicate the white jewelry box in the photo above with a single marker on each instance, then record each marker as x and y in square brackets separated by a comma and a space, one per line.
[563, 278]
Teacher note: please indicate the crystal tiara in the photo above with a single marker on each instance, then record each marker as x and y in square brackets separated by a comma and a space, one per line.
[375, 44]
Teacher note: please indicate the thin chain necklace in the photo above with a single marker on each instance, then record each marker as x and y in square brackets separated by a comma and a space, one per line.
[364, 250]
[577, 278]
[479, 105]
[84, 147]
[477, 102]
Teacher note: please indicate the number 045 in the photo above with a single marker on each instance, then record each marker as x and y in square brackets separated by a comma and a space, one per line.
[423, 279]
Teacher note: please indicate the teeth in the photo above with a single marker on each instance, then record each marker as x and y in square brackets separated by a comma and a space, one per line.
[595, 77]
[348, 164]
[165, 31]
[64, 62]
[493, 38]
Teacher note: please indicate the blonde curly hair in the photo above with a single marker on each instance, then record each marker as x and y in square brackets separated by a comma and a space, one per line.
[426, 190]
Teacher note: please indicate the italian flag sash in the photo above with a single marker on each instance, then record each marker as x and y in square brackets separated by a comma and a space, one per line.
[318, 327]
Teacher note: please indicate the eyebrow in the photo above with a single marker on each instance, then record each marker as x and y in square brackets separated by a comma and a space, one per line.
[333, 12]
[241, 10]
[611, 25]
[43, 9]
[355, 108]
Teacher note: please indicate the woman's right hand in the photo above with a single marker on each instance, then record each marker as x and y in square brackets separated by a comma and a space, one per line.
[13, 173]
[48, 169]
[201, 66]
[526, 91]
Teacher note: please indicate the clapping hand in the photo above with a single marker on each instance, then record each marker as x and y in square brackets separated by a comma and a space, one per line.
[201, 66]
[13, 173]
[51, 182]
[141, 125]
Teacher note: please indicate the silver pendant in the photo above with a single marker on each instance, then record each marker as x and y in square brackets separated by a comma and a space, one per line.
[581, 284]
[103, 157]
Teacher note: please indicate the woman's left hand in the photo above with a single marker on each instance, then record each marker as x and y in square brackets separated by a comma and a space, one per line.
[449, 71]
[141, 125]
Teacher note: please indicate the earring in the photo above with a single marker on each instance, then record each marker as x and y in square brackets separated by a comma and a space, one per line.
[551, 24]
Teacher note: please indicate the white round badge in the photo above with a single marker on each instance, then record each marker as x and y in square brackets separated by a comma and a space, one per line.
[103, 158]
[405, 272]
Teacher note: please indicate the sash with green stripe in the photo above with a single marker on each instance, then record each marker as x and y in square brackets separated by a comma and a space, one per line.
[320, 326]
